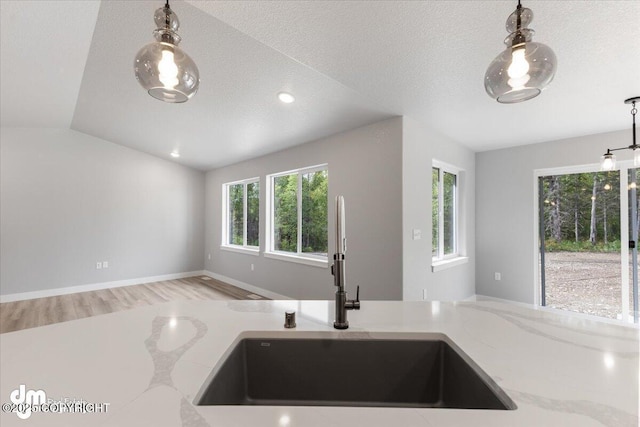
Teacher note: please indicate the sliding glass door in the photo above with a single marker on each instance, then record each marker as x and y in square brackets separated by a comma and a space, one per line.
[588, 229]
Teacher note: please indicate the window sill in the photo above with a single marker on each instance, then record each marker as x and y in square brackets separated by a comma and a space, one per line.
[241, 249]
[448, 263]
[315, 262]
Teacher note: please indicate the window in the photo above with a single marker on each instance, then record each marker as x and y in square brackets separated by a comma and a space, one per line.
[241, 215]
[445, 214]
[298, 215]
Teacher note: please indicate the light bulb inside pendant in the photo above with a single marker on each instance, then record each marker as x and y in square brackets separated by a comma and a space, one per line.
[519, 65]
[519, 68]
[168, 70]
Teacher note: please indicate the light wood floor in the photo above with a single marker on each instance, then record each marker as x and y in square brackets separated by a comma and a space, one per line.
[18, 315]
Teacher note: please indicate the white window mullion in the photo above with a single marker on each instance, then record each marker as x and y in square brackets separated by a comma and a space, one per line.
[225, 214]
[299, 201]
[271, 210]
[624, 241]
[244, 214]
[440, 213]
[455, 215]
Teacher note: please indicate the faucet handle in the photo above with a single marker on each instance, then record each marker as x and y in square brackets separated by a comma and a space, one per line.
[356, 303]
[353, 304]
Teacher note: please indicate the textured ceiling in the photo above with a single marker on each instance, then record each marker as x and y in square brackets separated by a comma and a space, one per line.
[348, 63]
[44, 47]
[234, 116]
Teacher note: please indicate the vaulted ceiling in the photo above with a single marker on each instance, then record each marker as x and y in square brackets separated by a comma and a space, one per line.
[69, 64]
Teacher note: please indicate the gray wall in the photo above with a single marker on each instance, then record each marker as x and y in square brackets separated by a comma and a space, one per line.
[505, 237]
[365, 165]
[69, 200]
[420, 147]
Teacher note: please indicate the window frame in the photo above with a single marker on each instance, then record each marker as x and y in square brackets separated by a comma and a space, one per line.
[244, 248]
[456, 257]
[299, 257]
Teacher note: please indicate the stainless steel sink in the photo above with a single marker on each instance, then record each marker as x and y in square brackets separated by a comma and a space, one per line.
[350, 369]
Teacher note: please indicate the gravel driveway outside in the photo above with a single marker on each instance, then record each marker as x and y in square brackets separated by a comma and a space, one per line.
[585, 282]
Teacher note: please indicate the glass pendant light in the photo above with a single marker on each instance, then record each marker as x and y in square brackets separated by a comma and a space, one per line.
[525, 67]
[162, 68]
[608, 159]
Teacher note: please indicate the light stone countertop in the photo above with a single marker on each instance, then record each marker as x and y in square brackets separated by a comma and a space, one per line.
[149, 364]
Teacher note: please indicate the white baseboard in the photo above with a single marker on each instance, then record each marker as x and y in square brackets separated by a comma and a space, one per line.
[246, 286]
[95, 286]
[481, 298]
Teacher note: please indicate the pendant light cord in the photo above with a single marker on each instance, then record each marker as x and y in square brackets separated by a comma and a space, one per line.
[518, 40]
[167, 13]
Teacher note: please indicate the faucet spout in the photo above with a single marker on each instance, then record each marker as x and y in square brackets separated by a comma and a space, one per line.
[338, 270]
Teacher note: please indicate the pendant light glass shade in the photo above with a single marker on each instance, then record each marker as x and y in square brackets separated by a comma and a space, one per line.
[524, 68]
[162, 68]
[608, 161]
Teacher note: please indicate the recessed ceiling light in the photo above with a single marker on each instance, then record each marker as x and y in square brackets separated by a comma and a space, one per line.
[285, 97]
[175, 154]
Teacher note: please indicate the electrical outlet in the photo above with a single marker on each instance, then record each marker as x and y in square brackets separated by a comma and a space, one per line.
[417, 234]
[497, 276]
[252, 267]
[98, 265]
[105, 264]
[424, 294]
[209, 256]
